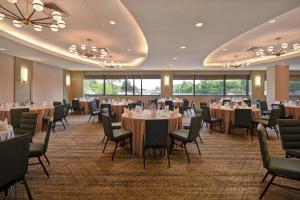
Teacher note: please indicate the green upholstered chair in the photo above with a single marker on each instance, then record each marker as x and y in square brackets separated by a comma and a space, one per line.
[156, 137]
[67, 108]
[119, 136]
[114, 125]
[276, 166]
[28, 123]
[15, 116]
[187, 136]
[290, 136]
[37, 150]
[242, 119]
[187, 125]
[271, 122]
[14, 162]
[106, 108]
[94, 111]
[212, 121]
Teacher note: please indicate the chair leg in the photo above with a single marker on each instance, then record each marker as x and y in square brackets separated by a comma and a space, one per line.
[63, 124]
[47, 159]
[103, 139]
[267, 133]
[187, 154]
[93, 119]
[114, 151]
[90, 118]
[27, 190]
[267, 187]
[264, 178]
[45, 170]
[105, 144]
[277, 131]
[198, 147]
[66, 121]
[168, 158]
[200, 138]
[144, 157]
[130, 141]
[211, 127]
[171, 145]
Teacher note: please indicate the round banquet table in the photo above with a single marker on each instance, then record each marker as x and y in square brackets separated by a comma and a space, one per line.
[42, 111]
[7, 134]
[293, 110]
[118, 108]
[136, 124]
[227, 114]
[85, 106]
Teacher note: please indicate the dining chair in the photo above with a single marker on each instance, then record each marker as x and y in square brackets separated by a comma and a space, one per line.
[187, 136]
[271, 122]
[76, 106]
[242, 119]
[14, 162]
[170, 104]
[131, 105]
[283, 114]
[66, 113]
[248, 102]
[37, 150]
[226, 101]
[119, 136]
[187, 125]
[15, 116]
[276, 166]
[59, 114]
[212, 121]
[203, 104]
[56, 103]
[264, 108]
[106, 108]
[289, 130]
[156, 137]
[28, 123]
[94, 111]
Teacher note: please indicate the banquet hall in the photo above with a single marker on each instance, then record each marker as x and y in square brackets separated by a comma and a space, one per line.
[140, 99]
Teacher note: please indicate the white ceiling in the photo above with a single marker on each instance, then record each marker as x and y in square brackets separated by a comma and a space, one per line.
[166, 25]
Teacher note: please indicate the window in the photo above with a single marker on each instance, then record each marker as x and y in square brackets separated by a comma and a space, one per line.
[183, 87]
[209, 87]
[265, 88]
[93, 86]
[250, 87]
[115, 86]
[130, 85]
[294, 87]
[151, 86]
[236, 86]
[137, 86]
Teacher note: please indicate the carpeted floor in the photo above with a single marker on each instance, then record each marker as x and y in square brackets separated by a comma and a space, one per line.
[227, 169]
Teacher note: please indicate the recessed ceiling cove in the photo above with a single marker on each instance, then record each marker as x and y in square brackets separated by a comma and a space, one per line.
[106, 22]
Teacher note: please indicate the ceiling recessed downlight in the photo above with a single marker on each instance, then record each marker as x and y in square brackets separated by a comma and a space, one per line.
[175, 58]
[225, 49]
[2, 49]
[200, 24]
[128, 49]
[183, 47]
[272, 21]
[112, 22]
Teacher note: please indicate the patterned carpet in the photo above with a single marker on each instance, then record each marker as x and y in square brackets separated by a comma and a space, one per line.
[227, 169]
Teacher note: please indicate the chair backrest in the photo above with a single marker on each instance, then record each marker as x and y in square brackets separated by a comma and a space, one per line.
[108, 131]
[225, 101]
[206, 114]
[28, 123]
[59, 112]
[75, 104]
[56, 103]
[156, 133]
[202, 104]
[65, 102]
[67, 108]
[47, 137]
[106, 105]
[265, 155]
[213, 100]
[289, 133]
[263, 106]
[131, 105]
[97, 103]
[170, 104]
[243, 118]
[139, 102]
[14, 159]
[248, 102]
[15, 116]
[90, 108]
[195, 126]
[282, 109]
[274, 116]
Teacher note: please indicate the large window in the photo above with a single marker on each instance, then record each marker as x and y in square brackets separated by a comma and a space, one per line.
[151, 86]
[209, 87]
[236, 86]
[137, 86]
[295, 87]
[183, 87]
[93, 86]
[115, 86]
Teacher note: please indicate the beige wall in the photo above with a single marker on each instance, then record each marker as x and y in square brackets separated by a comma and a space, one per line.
[258, 88]
[67, 88]
[6, 78]
[77, 84]
[166, 84]
[47, 83]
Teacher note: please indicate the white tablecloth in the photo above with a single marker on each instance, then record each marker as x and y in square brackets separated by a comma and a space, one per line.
[4, 135]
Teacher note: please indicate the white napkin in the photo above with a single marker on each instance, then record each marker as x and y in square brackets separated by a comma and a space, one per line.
[3, 125]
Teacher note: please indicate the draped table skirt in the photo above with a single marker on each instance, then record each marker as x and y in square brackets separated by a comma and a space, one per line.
[293, 110]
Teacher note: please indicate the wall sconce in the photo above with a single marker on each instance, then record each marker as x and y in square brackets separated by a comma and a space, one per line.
[167, 81]
[257, 81]
[24, 75]
[68, 80]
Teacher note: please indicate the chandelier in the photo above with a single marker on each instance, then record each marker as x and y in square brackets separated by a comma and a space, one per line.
[19, 18]
[89, 51]
[110, 64]
[236, 63]
[278, 50]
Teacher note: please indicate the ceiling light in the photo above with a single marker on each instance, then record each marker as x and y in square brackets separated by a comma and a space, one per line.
[26, 15]
[128, 49]
[236, 63]
[199, 24]
[175, 58]
[110, 64]
[272, 21]
[2, 49]
[183, 47]
[112, 22]
[225, 49]
[88, 51]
